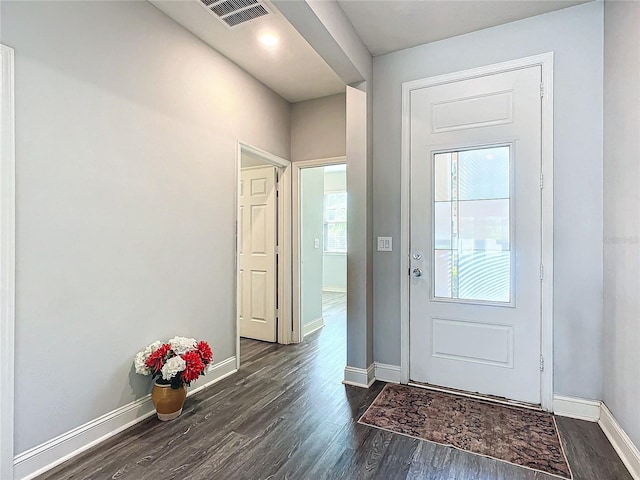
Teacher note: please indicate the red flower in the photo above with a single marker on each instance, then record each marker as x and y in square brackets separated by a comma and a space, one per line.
[205, 352]
[156, 360]
[194, 367]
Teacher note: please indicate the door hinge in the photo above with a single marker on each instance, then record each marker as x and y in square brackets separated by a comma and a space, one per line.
[277, 312]
[541, 363]
[277, 249]
[541, 180]
[541, 272]
[541, 90]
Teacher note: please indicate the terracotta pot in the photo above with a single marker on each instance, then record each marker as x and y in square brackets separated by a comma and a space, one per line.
[168, 401]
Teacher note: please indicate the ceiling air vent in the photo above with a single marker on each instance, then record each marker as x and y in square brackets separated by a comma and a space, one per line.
[235, 12]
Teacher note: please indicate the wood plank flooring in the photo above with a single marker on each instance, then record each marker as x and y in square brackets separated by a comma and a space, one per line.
[286, 415]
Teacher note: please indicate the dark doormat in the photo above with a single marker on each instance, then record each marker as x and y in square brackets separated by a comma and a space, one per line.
[520, 436]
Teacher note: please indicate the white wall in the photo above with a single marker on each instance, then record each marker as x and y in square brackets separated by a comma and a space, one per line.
[126, 143]
[327, 29]
[575, 35]
[335, 180]
[622, 213]
[318, 128]
[334, 272]
[311, 224]
[334, 265]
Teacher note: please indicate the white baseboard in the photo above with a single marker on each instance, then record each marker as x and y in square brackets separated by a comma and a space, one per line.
[387, 373]
[621, 442]
[219, 371]
[334, 289]
[574, 407]
[596, 411]
[37, 460]
[312, 326]
[359, 377]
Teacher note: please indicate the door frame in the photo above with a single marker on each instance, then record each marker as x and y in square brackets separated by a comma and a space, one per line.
[297, 335]
[7, 260]
[545, 61]
[284, 242]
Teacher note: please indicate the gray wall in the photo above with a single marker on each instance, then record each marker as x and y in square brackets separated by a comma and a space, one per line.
[334, 265]
[360, 232]
[575, 35]
[125, 150]
[318, 128]
[622, 213]
[311, 223]
[327, 29]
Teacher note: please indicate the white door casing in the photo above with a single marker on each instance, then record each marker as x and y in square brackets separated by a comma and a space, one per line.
[257, 255]
[475, 311]
[7, 261]
[297, 167]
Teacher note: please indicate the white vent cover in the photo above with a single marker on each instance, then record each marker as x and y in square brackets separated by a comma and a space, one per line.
[235, 12]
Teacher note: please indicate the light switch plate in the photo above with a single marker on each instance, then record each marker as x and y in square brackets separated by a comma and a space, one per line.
[316, 243]
[385, 244]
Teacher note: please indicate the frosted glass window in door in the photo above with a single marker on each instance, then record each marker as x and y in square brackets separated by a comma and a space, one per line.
[484, 275]
[484, 173]
[484, 224]
[472, 225]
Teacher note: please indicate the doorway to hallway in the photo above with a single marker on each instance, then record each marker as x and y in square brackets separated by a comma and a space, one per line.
[263, 259]
[320, 238]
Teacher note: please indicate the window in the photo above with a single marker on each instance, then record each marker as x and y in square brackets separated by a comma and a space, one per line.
[472, 225]
[335, 222]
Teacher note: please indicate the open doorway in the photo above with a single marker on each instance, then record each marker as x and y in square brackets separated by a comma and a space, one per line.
[263, 249]
[320, 238]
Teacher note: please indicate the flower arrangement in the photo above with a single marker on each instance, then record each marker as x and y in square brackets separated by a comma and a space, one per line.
[177, 362]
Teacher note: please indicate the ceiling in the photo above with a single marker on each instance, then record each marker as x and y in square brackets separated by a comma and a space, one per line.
[291, 68]
[387, 26]
[296, 72]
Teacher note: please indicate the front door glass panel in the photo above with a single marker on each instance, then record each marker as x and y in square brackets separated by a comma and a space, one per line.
[472, 225]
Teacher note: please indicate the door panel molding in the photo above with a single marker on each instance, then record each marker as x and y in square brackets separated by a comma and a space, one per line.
[546, 62]
[496, 109]
[445, 347]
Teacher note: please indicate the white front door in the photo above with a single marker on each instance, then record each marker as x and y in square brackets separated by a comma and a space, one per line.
[257, 229]
[475, 290]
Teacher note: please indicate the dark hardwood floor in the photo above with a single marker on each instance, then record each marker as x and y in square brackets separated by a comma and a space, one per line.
[286, 415]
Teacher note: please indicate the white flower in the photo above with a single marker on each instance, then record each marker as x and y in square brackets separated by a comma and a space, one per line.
[181, 345]
[173, 366]
[141, 358]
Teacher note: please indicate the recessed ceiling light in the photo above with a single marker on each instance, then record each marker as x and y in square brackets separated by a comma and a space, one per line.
[268, 39]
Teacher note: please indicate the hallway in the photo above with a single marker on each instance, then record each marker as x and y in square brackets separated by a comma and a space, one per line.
[286, 415]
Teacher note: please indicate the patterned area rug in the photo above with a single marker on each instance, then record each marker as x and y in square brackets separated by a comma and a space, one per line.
[515, 435]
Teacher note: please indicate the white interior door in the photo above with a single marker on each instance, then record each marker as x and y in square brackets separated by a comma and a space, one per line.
[257, 229]
[475, 291]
